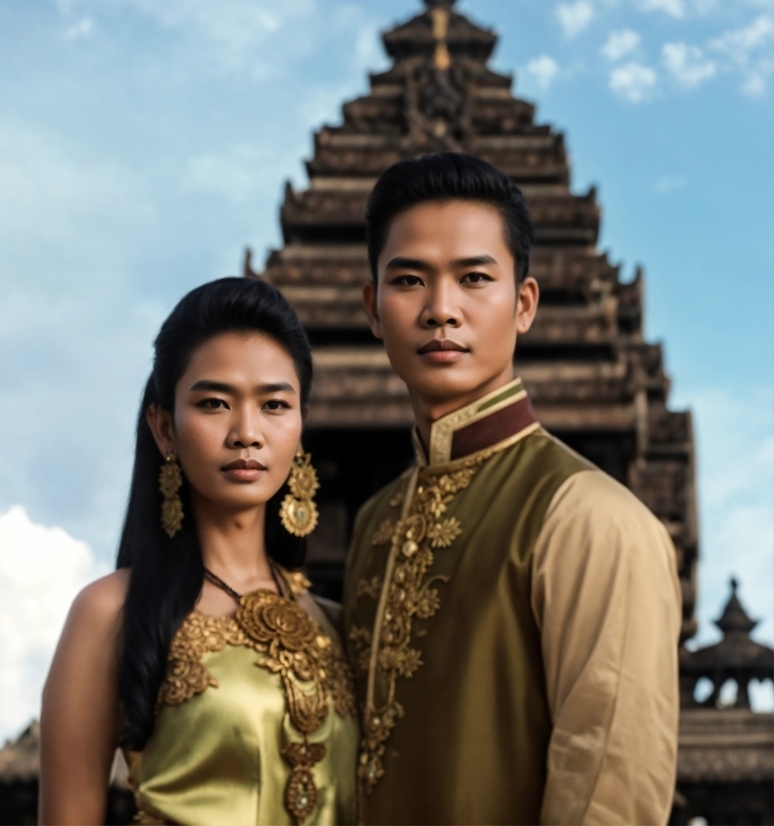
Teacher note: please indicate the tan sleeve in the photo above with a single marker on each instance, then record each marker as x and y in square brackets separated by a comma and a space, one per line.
[606, 597]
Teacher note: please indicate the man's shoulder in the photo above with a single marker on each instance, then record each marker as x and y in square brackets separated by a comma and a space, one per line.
[595, 499]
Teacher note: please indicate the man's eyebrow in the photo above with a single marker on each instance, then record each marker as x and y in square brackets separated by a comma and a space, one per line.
[401, 263]
[222, 387]
[475, 261]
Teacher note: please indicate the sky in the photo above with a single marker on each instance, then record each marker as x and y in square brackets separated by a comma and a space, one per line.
[143, 145]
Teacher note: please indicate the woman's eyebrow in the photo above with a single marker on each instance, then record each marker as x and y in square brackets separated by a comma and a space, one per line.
[222, 387]
[214, 386]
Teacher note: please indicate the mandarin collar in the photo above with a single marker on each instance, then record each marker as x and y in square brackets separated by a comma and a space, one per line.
[501, 414]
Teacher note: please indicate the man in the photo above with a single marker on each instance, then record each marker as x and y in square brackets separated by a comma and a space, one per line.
[512, 612]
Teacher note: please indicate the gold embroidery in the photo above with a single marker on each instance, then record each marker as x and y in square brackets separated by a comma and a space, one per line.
[312, 669]
[369, 588]
[361, 648]
[186, 676]
[410, 593]
[298, 583]
[383, 534]
[397, 499]
[442, 534]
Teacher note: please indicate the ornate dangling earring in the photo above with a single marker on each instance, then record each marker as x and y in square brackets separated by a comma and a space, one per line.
[298, 511]
[170, 481]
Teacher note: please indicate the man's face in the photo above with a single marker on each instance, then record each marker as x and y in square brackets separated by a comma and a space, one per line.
[446, 302]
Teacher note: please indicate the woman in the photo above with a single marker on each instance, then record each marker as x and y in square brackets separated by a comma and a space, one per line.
[202, 655]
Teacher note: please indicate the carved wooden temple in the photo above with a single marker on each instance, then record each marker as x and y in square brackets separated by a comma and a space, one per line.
[593, 379]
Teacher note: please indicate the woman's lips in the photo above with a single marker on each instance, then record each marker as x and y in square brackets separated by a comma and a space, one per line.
[244, 470]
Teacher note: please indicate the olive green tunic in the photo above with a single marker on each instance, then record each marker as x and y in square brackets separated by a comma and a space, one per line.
[512, 615]
[256, 722]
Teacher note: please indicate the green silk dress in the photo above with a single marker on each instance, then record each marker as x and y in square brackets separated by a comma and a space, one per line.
[256, 720]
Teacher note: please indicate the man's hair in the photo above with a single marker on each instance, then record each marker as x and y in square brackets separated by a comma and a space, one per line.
[449, 176]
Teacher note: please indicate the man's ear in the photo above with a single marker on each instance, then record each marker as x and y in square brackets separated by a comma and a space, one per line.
[526, 304]
[371, 308]
[160, 424]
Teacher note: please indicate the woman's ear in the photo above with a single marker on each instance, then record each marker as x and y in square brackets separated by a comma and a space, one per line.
[160, 424]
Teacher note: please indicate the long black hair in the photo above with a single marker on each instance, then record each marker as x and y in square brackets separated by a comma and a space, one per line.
[166, 574]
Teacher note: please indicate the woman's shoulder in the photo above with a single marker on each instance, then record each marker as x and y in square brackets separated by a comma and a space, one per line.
[103, 600]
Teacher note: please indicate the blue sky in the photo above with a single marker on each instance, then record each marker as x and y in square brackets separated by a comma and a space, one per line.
[143, 144]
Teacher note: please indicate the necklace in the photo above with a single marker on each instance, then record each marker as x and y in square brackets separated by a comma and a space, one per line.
[224, 586]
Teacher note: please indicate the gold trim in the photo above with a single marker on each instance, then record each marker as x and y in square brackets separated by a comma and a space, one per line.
[443, 430]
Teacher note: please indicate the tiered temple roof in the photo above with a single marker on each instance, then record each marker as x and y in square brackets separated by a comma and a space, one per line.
[594, 380]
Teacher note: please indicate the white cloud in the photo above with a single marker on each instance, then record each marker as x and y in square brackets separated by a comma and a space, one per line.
[670, 183]
[687, 64]
[41, 571]
[543, 70]
[230, 33]
[574, 17]
[620, 43]
[633, 81]
[674, 8]
[739, 43]
[80, 30]
[748, 50]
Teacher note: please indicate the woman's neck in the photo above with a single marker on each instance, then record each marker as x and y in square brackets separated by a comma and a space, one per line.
[233, 546]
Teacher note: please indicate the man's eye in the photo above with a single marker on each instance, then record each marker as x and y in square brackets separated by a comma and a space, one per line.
[408, 281]
[475, 278]
[212, 404]
[276, 404]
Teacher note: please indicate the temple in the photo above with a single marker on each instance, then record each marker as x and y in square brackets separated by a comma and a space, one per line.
[593, 379]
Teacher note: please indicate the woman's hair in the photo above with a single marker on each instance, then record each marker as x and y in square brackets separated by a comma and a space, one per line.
[166, 574]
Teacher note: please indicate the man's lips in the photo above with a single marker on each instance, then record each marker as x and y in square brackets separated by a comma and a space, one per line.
[244, 470]
[442, 351]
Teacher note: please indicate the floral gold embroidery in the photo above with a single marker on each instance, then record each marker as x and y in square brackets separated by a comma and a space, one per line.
[312, 669]
[442, 534]
[410, 593]
[383, 534]
[369, 587]
[360, 639]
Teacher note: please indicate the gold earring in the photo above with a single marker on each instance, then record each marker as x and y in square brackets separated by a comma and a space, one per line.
[298, 511]
[170, 481]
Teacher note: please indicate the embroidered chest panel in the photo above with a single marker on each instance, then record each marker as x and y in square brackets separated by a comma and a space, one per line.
[289, 643]
[419, 529]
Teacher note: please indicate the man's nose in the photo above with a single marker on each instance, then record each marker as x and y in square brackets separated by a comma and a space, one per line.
[440, 310]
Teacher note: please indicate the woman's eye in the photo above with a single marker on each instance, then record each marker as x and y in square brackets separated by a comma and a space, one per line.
[212, 404]
[475, 278]
[276, 404]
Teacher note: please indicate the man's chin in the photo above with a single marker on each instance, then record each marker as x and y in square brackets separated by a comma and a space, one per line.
[442, 383]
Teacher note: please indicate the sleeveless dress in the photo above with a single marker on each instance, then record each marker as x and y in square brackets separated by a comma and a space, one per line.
[256, 719]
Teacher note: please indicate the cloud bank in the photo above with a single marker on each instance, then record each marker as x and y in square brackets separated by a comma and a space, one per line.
[41, 571]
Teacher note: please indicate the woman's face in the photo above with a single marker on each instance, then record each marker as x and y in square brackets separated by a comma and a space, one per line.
[237, 420]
